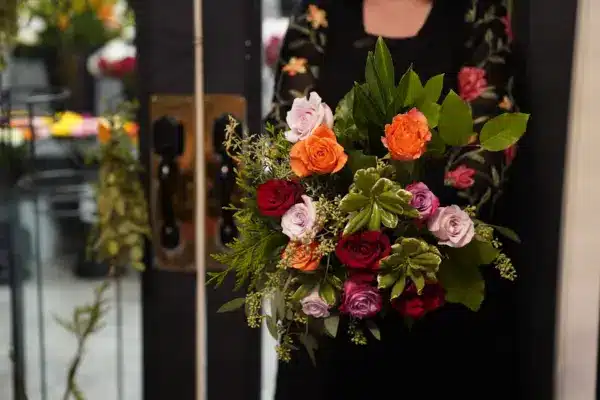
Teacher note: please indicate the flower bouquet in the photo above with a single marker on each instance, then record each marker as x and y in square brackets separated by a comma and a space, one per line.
[336, 223]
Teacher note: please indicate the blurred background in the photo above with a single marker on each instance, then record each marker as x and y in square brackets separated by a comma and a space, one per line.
[69, 67]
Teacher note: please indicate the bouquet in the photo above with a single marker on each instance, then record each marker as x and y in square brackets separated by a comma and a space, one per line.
[335, 221]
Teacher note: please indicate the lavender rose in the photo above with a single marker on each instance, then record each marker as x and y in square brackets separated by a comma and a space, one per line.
[314, 306]
[306, 115]
[452, 226]
[423, 200]
[361, 299]
[298, 223]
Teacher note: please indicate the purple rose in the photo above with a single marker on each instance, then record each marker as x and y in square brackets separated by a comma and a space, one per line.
[452, 226]
[423, 200]
[314, 306]
[360, 299]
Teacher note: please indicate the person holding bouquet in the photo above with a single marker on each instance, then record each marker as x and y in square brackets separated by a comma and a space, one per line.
[449, 350]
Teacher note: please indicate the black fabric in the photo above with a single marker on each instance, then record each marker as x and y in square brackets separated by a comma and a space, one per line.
[452, 352]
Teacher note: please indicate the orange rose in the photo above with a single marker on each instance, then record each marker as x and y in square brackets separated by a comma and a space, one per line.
[103, 131]
[303, 257]
[407, 136]
[320, 153]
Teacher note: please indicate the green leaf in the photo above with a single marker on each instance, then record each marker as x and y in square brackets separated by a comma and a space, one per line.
[344, 126]
[365, 179]
[431, 111]
[385, 281]
[419, 281]
[409, 90]
[433, 88]
[507, 232]
[436, 146]
[332, 324]
[376, 92]
[503, 131]
[232, 305]
[456, 121]
[358, 160]
[385, 69]
[388, 219]
[374, 329]
[358, 221]
[327, 293]
[311, 344]
[272, 327]
[353, 202]
[302, 292]
[463, 284]
[474, 254]
[365, 110]
[375, 220]
[398, 288]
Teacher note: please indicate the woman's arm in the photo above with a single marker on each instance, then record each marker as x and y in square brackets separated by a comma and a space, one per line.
[297, 69]
[486, 83]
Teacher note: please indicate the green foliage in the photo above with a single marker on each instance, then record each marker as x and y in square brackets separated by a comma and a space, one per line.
[463, 283]
[8, 27]
[456, 121]
[413, 259]
[118, 237]
[373, 200]
[503, 131]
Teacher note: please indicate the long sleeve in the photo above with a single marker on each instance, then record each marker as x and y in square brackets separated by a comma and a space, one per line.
[301, 54]
[486, 83]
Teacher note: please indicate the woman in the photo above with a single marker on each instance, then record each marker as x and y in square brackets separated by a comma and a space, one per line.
[451, 351]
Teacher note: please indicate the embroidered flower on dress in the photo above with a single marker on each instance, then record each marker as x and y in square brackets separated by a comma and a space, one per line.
[317, 17]
[296, 65]
[506, 104]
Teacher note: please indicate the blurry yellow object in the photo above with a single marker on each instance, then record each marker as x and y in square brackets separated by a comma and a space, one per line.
[66, 124]
[63, 22]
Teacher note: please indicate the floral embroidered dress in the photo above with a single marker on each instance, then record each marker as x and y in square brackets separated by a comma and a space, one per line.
[452, 351]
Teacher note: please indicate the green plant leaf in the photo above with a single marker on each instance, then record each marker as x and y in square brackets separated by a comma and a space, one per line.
[385, 69]
[327, 293]
[272, 327]
[311, 344]
[353, 202]
[358, 221]
[302, 292]
[456, 122]
[365, 110]
[376, 91]
[375, 219]
[388, 219]
[332, 324]
[507, 232]
[501, 132]
[409, 90]
[436, 146]
[463, 284]
[398, 288]
[365, 179]
[431, 111]
[344, 126]
[474, 254]
[385, 281]
[358, 160]
[433, 89]
[232, 305]
[373, 328]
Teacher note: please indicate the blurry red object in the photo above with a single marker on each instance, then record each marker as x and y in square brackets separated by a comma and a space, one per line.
[118, 69]
[272, 50]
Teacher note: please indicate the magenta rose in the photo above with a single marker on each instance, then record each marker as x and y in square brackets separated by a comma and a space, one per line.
[452, 226]
[461, 177]
[471, 83]
[423, 200]
[360, 298]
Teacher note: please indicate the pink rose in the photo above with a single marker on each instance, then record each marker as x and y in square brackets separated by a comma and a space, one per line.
[272, 50]
[471, 83]
[423, 200]
[461, 177]
[306, 115]
[360, 298]
[298, 223]
[452, 226]
[314, 305]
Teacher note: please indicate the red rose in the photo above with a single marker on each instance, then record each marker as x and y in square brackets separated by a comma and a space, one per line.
[415, 306]
[360, 298]
[276, 196]
[510, 154]
[461, 177]
[471, 83]
[363, 250]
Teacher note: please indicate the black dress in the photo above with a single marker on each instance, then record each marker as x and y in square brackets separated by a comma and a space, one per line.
[452, 352]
